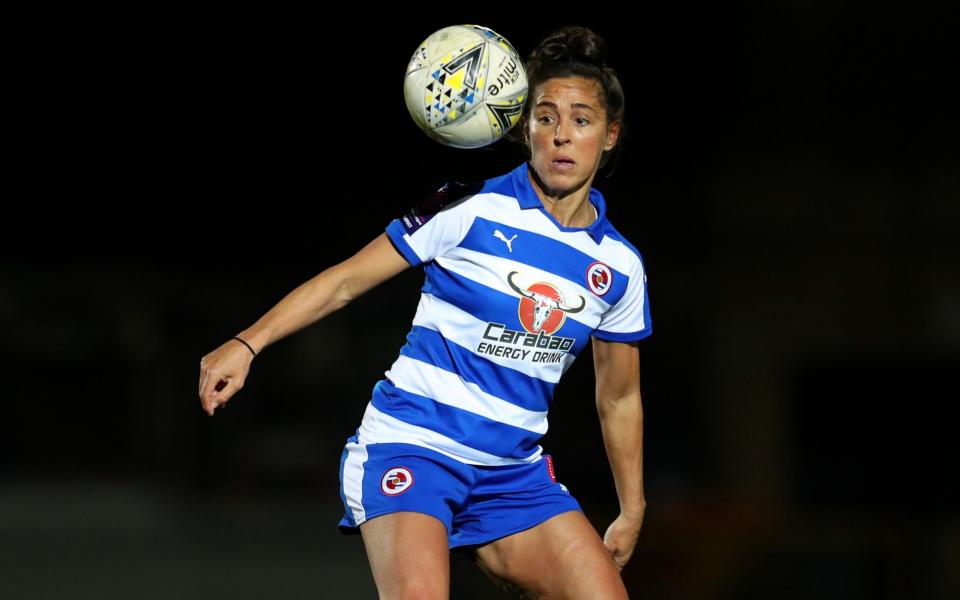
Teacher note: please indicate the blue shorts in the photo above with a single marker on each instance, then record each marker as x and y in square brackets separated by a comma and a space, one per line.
[477, 504]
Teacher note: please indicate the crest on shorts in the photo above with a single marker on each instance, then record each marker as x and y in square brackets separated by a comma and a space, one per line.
[396, 481]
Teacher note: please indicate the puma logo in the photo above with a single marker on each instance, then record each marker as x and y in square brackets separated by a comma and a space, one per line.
[499, 235]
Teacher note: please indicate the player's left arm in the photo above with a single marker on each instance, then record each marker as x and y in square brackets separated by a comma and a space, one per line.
[617, 367]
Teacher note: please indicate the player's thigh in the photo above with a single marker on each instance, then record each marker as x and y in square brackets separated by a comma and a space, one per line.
[563, 557]
[409, 555]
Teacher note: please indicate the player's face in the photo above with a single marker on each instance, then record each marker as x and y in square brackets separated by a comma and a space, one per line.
[568, 131]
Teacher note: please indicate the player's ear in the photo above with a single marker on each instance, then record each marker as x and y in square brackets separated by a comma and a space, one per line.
[613, 135]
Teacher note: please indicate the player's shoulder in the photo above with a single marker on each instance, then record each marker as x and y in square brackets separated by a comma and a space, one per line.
[452, 194]
[455, 194]
[466, 199]
[628, 252]
[447, 197]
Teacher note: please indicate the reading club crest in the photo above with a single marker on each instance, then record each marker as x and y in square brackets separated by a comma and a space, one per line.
[396, 481]
[599, 278]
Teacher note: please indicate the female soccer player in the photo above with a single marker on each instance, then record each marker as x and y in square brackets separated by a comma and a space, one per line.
[521, 272]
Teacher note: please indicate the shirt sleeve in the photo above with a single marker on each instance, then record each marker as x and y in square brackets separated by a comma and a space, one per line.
[629, 319]
[435, 225]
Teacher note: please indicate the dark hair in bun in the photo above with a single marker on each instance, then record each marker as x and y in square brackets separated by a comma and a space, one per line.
[575, 51]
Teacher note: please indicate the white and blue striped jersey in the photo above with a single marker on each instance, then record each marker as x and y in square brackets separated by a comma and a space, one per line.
[509, 300]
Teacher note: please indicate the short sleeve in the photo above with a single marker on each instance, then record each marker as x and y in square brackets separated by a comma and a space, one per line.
[434, 226]
[629, 319]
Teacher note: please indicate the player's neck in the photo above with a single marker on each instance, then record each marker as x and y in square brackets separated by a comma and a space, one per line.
[570, 208]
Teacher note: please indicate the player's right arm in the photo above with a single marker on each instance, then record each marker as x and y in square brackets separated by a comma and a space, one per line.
[223, 371]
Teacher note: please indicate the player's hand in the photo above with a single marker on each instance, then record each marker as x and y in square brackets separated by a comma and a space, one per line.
[621, 537]
[222, 373]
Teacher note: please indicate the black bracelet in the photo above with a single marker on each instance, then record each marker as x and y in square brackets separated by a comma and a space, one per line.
[249, 347]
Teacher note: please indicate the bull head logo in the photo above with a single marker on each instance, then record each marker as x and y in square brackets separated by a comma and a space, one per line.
[542, 306]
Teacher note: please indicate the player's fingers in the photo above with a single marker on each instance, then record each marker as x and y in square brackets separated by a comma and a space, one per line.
[611, 546]
[208, 378]
[621, 558]
[223, 391]
[204, 370]
[211, 383]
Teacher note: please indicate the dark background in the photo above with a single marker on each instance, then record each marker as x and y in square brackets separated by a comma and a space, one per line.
[790, 175]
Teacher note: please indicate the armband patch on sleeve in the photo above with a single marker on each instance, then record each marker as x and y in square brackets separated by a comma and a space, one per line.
[447, 196]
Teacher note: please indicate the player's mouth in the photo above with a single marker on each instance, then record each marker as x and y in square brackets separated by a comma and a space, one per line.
[563, 163]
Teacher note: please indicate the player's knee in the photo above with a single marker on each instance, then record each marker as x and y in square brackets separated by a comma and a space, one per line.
[592, 583]
[416, 588]
[496, 566]
[614, 593]
[493, 562]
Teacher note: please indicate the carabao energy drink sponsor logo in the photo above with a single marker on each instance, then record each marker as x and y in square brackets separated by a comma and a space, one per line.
[542, 311]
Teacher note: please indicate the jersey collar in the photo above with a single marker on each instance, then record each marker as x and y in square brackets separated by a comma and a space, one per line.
[527, 198]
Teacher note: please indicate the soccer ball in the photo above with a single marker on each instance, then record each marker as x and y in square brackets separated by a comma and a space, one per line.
[465, 86]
